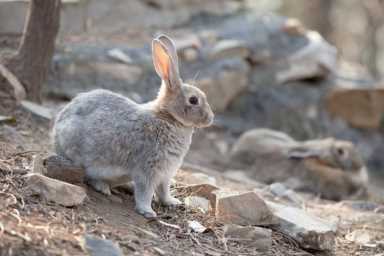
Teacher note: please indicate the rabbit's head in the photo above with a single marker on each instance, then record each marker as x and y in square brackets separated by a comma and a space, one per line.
[333, 153]
[185, 103]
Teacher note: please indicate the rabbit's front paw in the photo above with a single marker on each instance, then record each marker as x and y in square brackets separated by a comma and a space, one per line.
[147, 213]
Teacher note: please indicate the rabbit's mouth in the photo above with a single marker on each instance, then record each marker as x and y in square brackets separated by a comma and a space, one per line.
[207, 121]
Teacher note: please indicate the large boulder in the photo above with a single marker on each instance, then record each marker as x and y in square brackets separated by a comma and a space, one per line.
[222, 57]
[106, 18]
[117, 15]
[360, 107]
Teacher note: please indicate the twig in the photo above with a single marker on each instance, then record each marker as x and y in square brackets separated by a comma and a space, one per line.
[194, 239]
[169, 225]
[26, 152]
[18, 88]
[16, 234]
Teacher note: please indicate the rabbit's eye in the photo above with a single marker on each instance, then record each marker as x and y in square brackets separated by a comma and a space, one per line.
[194, 100]
[340, 151]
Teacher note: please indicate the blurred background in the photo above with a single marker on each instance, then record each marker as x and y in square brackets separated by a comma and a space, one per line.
[309, 68]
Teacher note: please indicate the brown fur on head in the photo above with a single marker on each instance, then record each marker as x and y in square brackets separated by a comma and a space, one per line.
[185, 103]
[332, 183]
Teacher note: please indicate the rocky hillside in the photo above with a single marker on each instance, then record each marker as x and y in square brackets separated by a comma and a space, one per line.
[291, 166]
[44, 214]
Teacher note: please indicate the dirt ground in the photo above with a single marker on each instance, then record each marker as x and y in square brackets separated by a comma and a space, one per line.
[31, 226]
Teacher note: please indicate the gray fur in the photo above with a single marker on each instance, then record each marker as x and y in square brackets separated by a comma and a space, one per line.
[117, 140]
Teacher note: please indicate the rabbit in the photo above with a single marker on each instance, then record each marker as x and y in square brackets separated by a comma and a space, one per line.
[332, 168]
[117, 140]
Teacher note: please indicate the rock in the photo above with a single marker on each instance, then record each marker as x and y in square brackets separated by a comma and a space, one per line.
[243, 209]
[189, 54]
[198, 202]
[229, 49]
[223, 83]
[276, 48]
[56, 191]
[242, 177]
[359, 205]
[119, 55]
[309, 231]
[197, 194]
[361, 108]
[80, 68]
[294, 26]
[99, 17]
[59, 168]
[112, 17]
[196, 226]
[260, 238]
[280, 190]
[37, 110]
[96, 246]
[316, 59]
[190, 41]
[360, 237]
[193, 176]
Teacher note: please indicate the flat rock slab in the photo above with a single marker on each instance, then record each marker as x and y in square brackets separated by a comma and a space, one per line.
[258, 237]
[309, 231]
[55, 191]
[100, 247]
[192, 175]
[243, 209]
[37, 110]
[229, 49]
[197, 202]
[59, 168]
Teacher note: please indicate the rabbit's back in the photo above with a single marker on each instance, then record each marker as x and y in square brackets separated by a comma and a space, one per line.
[91, 122]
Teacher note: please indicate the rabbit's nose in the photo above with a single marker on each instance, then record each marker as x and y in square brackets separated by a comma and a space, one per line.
[209, 118]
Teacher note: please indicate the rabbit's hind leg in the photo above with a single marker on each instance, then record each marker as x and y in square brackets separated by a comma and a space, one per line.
[96, 178]
[99, 186]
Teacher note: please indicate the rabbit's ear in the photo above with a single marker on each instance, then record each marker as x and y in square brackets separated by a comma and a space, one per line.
[165, 65]
[301, 151]
[170, 45]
